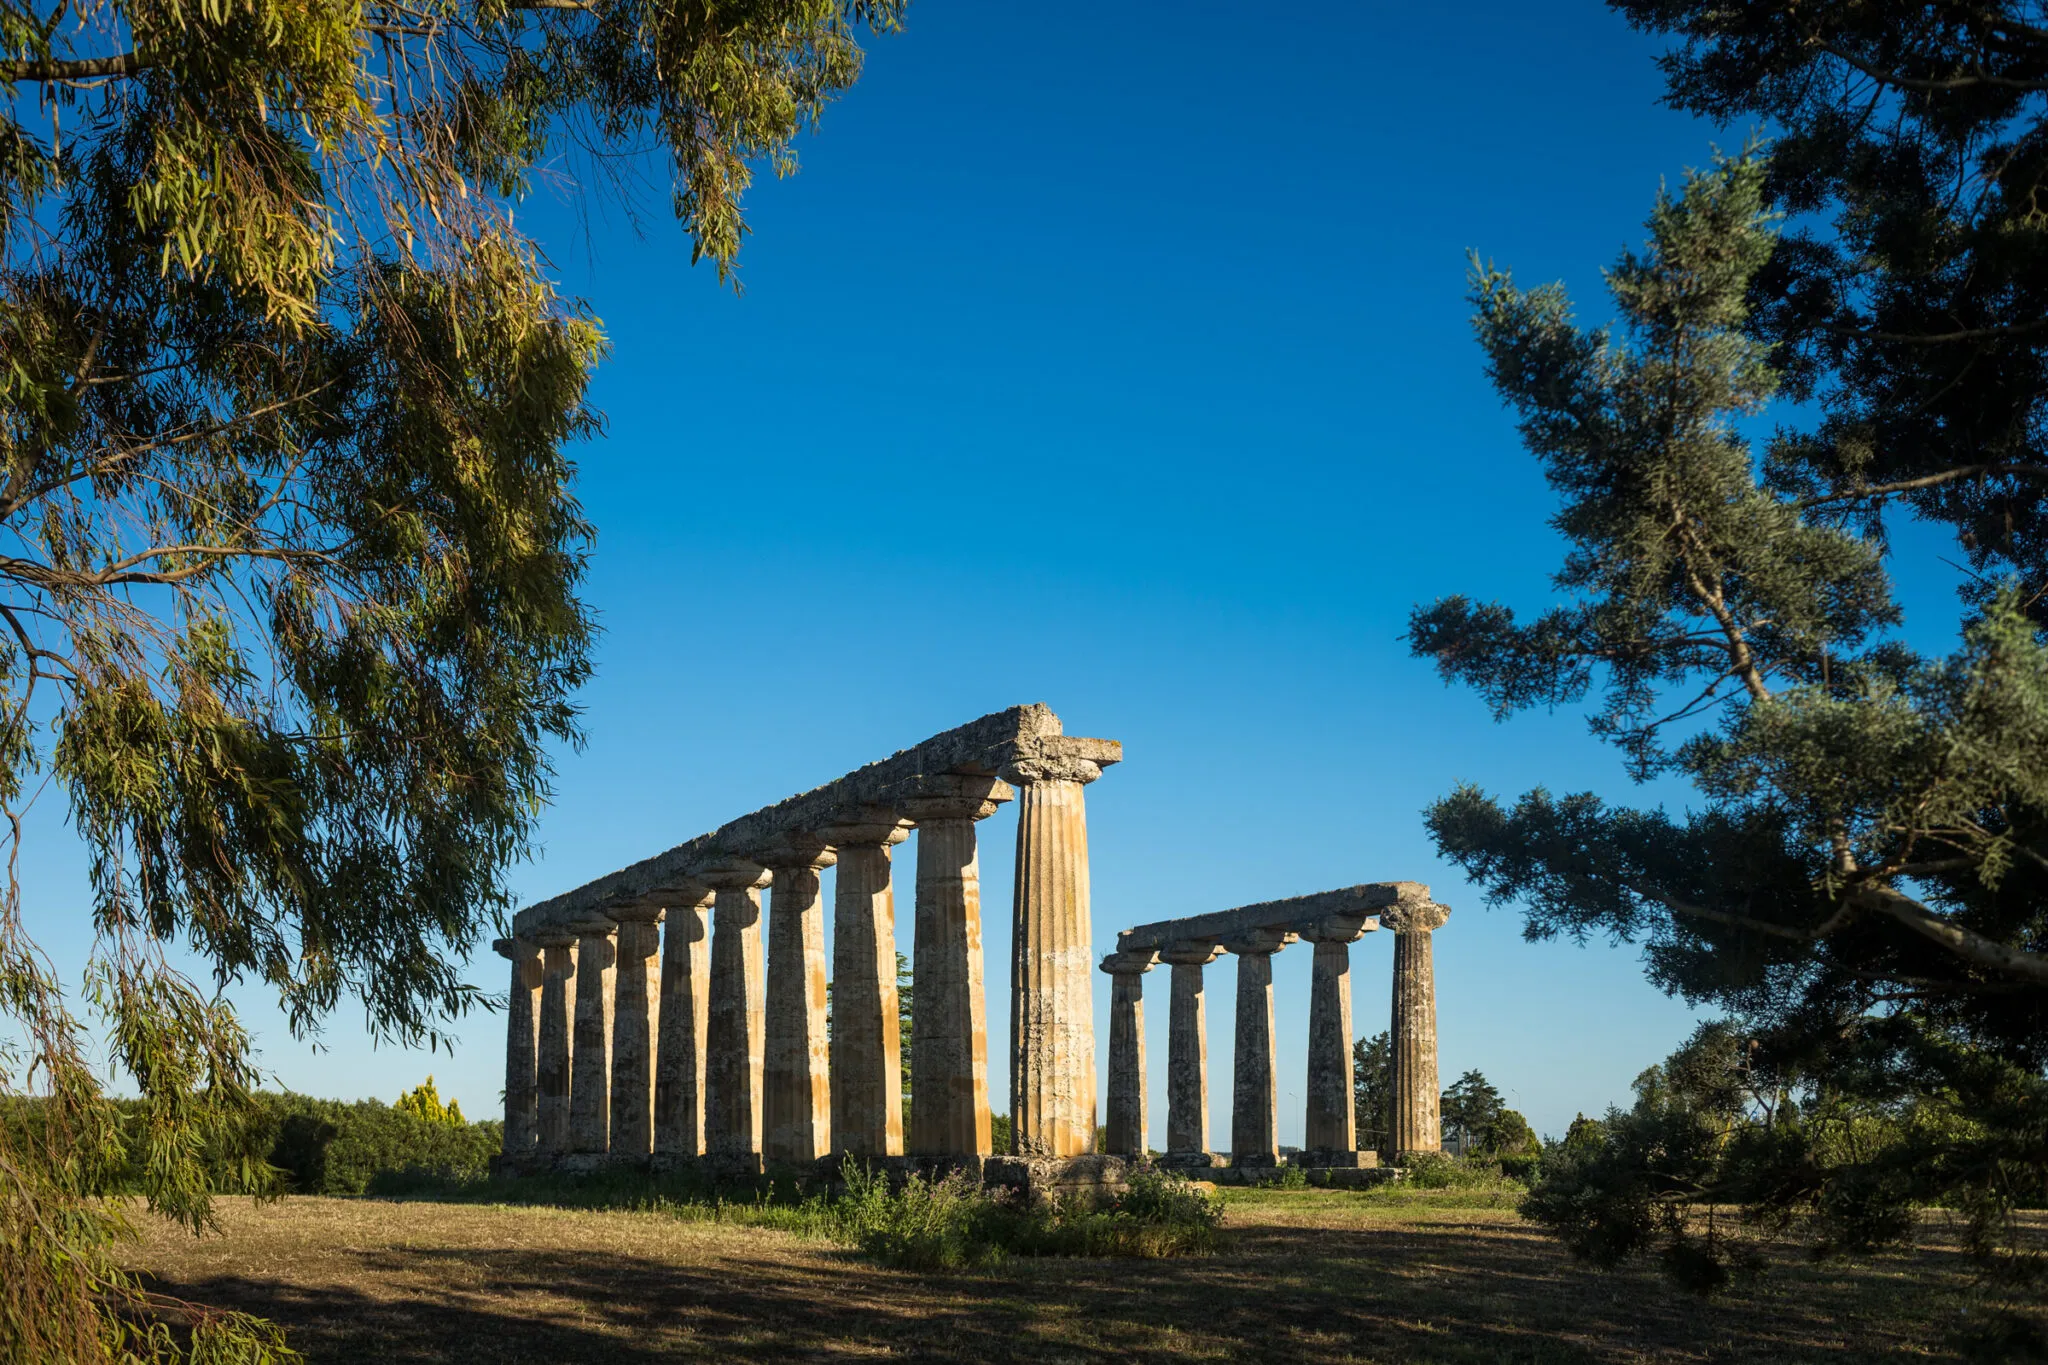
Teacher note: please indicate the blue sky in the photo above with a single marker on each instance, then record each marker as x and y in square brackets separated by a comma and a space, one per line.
[1120, 363]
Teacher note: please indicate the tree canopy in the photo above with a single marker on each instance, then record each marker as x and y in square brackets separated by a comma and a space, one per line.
[288, 606]
[1863, 884]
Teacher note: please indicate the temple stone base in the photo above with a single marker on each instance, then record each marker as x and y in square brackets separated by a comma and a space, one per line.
[1350, 1161]
[1191, 1161]
[1036, 1177]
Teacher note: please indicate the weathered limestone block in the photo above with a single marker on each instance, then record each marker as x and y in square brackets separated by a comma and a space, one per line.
[590, 1066]
[1332, 1120]
[1126, 1118]
[635, 992]
[685, 1021]
[949, 1114]
[733, 1066]
[797, 1098]
[558, 970]
[1255, 1097]
[1416, 1097]
[1187, 1051]
[867, 1057]
[1052, 1014]
[522, 1045]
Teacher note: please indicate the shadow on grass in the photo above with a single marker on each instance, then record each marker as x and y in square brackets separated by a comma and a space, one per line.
[1448, 1292]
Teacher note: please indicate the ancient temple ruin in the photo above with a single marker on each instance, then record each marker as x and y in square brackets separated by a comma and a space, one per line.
[651, 1019]
[1332, 921]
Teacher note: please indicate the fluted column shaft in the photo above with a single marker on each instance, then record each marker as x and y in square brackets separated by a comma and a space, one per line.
[949, 1045]
[1187, 1051]
[590, 1065]
[522, 1045]
[797, 1094]
[867, 1057]
[1417, 1100]
[1255, 1099]
[1052, 1016]
[558, 970]
[1126, 1107]
[733, 1066]
[636, 990]
[1332, 1121]
[685, 1019]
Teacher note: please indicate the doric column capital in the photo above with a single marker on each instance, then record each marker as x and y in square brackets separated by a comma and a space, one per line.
[797, 850]
[593, 926]
[1061, 758]
[957, 796]
[638, 910]
[1415, 917]
[516, 949]
[553, 936]
[1259, 941]
[867, 827]
[1191, 954]
[1340, 928]
[681, 891]
[1129, 964]
[733, 874]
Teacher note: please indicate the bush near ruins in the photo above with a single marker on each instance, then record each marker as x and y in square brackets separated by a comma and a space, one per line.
[953, 1223]
[302, 1145]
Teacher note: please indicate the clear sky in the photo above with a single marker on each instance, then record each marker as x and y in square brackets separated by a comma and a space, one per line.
[1118, 359]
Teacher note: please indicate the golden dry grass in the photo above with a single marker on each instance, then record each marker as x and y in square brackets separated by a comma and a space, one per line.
[1313, 1276]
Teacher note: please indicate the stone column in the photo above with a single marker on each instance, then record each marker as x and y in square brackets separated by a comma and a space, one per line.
[1332, 1131]
[590, 1064]
[733, 1062]
[797, 1087]
[1255, 1098]
[635, 993]
[949, 1044]
[685, 1017]
[522, 1044]
[867, 1057]
[558, 970]
[1052, 1013]
[1187, 1052]
[1416, 1096]
[1126, 1136]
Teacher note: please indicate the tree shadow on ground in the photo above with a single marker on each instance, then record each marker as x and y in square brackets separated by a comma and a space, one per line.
[1484, 1292]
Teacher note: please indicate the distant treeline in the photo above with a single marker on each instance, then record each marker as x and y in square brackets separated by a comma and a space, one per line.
[315, 1146]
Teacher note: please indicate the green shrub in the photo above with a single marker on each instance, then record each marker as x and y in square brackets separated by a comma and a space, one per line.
[952, 1223]
[340, 1147]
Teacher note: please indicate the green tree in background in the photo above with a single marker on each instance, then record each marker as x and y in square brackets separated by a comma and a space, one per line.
[1372, 1091]
[1469, 1108]
[423, 1101]
[289, 608]
[1864, 886]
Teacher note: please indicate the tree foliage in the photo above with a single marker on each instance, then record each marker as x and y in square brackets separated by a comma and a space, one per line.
[288, 605]
[1863, 884]
[1372, 1091]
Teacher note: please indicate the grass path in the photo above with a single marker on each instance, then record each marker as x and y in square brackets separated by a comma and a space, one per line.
[1313, 1276]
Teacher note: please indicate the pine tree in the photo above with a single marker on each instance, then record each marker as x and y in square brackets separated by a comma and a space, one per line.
[1864, 886]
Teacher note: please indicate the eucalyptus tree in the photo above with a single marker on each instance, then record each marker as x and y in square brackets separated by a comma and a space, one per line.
[289, 607]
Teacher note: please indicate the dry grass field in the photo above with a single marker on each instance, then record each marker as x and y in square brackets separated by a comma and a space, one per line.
[1314, 1276]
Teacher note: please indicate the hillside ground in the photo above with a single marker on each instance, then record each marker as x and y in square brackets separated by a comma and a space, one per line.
[1318, 1276]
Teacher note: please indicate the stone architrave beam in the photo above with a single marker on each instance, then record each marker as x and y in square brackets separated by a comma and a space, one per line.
[1296, 915]
[1022, 735]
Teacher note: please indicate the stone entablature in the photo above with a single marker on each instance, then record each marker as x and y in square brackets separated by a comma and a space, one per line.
[1017, 743]
[1295, 915]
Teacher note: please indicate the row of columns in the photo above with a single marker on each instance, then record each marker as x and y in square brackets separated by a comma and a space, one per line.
[1332, 1134]
[648, 1028]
